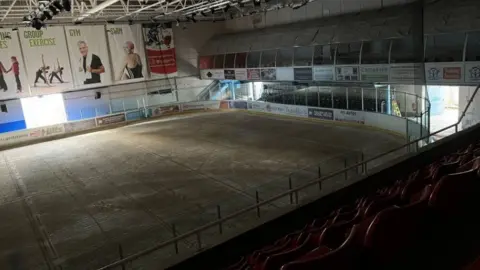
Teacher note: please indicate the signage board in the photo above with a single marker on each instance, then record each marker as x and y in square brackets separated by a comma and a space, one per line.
[110, 119]
[323, 73]
[241, 74]
[269, 74]
[347, 73]
[285, 74]
[472, 72]
[444, 72]
[324, 114]
[350, 116]
[253, 74]
[212, 74]
[302, 74]
[229, 74]
[374, 73]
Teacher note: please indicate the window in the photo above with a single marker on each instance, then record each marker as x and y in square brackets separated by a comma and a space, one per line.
[375, 52]
[402, 51]
[303, 56]
[445, 48]
[284, 58]
[206, 62]
[473, 47]
[348, 54]
[219, 61]
[229, 60]
[240, 60]
[3, 108]
[268, 58]
[323, 55]
[253, 59]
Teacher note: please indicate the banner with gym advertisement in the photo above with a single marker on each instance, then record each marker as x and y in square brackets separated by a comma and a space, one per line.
[269, 74]
[160, 51]
[302, 74]
[46, 60]
[374, 73]
[13, 79]
[212, 74]
[324, 114]
[127, 52]
[406, 73]
[323, 73]
[80, 125]
[110, 119]
[444, 72]
[88, 55]
[253, 74]
[350, 116]
[166, 110]
[472, 72]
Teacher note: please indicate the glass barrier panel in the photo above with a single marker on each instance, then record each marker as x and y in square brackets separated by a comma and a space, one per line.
[473, 47]
[268, 58]
[284, 58]
[303, 56]
[240, 60]
[206, 62]
[348, 53]
[253, 59]
[445, 47]
[375, 52]
[230, 60]
[219, 61]
[323, 55]
[402, 51]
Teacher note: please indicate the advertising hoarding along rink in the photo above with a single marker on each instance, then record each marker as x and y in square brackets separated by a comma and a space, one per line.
[127, 51]
[88, 55]
[13, 79]
[46, 60]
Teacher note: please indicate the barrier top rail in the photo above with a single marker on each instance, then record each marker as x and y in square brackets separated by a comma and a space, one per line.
[312, 182]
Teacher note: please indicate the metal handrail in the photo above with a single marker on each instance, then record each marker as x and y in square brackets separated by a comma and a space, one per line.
[315, 181]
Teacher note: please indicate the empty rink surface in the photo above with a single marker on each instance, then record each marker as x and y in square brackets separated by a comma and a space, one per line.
[72, 201]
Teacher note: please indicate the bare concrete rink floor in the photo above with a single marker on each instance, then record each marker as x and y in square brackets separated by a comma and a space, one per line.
[71, 202]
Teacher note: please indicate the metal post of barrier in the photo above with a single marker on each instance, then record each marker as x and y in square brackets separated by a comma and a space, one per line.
[258, 201]
[363, 105]
[219, 216]
[120, 253]
[376, 99]
[123, 104]
[319, 176]
[96, 112]
[456, 128]
[199, 241]
[174, 231]
[362, 157]
[81, 113]
[331, 96]
[290, 186]
[318, 96]
[346, 96]
[346, 171]
[296, 196]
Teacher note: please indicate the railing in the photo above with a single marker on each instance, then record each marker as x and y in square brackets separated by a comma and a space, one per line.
[318, 183]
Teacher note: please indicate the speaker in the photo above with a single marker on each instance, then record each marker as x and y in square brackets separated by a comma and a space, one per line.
[98, 95]
[3, 108]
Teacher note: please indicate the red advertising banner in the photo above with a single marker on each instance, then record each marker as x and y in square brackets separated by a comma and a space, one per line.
[160, 50]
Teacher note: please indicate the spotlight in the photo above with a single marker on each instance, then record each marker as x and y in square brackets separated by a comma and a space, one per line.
[203, 13]
[57, 5]
[178, 22]
[241, 4]
[66, 5]
[227, 7]
[256, 3]
[53, 9]
[130, 22]
[47, 15]
[37, 24]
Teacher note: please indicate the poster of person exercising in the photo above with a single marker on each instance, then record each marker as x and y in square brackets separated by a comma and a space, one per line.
[128, 53]
[12, 71]
[88, 55]
[46, 60]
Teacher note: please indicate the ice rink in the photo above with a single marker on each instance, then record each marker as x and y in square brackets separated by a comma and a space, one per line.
[72, 201]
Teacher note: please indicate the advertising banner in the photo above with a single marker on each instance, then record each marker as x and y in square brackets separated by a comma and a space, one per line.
[406, 73]
[212, 74]
[79, 125]
[238, 104]
[472, 72]
[346, 74]
[127, 52]
[323, 73]
[269, 74]
[350, 116]
[13, 79]
[166, 110]
[229, 74]
[324, 114]
[444, 72]
[285, 74]
[241, 74]
[300, 111]
[46, 59]
[29, 134]
[253, 74]
[374, 73]
[110, 119]
[201, 105]
[257, 106]
[302, 74]
[88, 55]
[160, 50]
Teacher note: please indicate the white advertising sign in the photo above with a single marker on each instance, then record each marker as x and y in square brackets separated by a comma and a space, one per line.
[323, 73]
[212, 74]
[88, 55]
[29, 134]
[285, 74]
[127, 51]
[46, 59]
[350, 116]
[408, 73]
[444, 72]
[472, 72]
[374, 73]
[241, 74]
[257, 106]
[13, 79]
[347, 73]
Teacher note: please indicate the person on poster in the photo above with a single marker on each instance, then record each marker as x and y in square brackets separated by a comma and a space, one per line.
[90, 65]
[132, 66]
[42, 73]
[56, 72]
[16, 72]
[3, 84]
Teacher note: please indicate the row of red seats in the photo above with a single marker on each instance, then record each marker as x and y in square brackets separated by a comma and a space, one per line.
[391, 229]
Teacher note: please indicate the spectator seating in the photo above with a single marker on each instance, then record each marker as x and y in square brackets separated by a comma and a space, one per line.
[426, 220]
